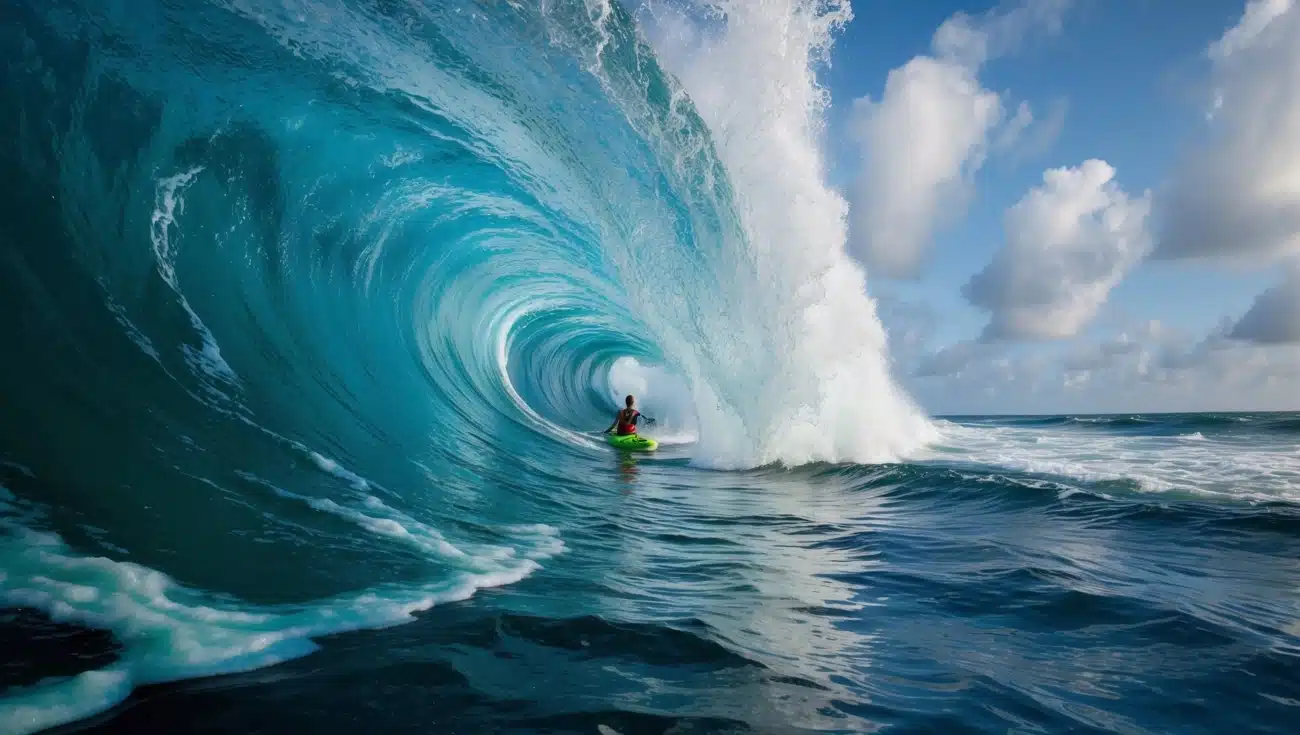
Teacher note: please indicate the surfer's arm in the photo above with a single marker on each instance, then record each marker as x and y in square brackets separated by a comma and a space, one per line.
[611, 426]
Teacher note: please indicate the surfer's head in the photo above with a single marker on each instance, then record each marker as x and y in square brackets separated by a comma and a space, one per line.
[629, 401]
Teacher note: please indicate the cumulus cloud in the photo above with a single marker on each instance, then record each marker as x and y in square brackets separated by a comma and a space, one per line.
[1238, 194]
[909, 324]
[921, 144]
[951, 360]
[1148, 367]
[972, 40]
[1102, 354]
[1176, 371]
[1275, 316]
[1212, 371]
[924, 139]
[1255, 20]
[1069, 242]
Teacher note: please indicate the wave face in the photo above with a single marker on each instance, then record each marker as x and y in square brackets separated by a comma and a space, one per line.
[312, 311]
[283, 274]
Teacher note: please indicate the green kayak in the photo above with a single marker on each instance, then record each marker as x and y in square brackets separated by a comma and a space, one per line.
[632, 441]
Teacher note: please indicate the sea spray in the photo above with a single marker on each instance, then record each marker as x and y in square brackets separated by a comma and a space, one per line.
[784, 350]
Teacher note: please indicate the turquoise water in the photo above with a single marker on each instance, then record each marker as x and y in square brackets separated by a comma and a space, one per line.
[312, 313]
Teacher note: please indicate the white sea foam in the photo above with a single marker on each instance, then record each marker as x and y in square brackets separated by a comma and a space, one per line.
[170, 632]
[781, 344]
[1247, 469]
[661, 393]
[381, 520]
[334, 468]
[168, 205]
[132, 331]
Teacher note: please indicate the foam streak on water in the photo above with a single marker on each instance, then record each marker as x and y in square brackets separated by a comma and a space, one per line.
[170, 632]
[1226, 460]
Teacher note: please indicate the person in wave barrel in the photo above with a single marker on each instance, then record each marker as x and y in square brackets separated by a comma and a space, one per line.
[625, 420]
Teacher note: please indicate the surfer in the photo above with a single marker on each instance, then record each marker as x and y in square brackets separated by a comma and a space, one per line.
[625, 420]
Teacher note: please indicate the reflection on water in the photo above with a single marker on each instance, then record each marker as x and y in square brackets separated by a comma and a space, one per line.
[627, 469]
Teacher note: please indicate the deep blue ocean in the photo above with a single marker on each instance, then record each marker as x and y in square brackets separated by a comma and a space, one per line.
[311, 313]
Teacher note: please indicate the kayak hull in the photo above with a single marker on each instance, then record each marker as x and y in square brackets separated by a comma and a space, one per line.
[633, 442]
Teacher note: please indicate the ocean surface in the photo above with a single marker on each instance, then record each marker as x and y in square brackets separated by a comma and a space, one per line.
[311, 312]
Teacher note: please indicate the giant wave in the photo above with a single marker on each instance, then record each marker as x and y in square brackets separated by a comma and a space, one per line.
[280, 275]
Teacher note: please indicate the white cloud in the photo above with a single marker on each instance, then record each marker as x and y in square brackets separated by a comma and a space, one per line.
[921, 143]
[951, 360]
[1258, 16]
[925, 138]
[1275, 316]
[1219, 373]
[1069, 242]
[1239, 194]
[1015, 128]
[909, 324]
[972, 40]
[1023, 137]
[1102, 354]
[1146, 368]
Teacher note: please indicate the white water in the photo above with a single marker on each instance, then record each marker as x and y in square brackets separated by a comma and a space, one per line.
[1254, 468]
[168, 205]
[784, 352]
[170, 632]
[661, 395]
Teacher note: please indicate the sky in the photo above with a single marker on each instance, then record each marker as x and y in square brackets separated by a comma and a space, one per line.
[1076, 205]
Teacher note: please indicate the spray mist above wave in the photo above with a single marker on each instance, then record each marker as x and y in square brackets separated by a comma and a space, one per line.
[783, 353]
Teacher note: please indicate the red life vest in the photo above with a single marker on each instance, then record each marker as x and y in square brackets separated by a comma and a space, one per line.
[627, 421]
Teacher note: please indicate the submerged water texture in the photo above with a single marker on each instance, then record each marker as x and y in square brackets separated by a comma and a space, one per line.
[311, 311]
